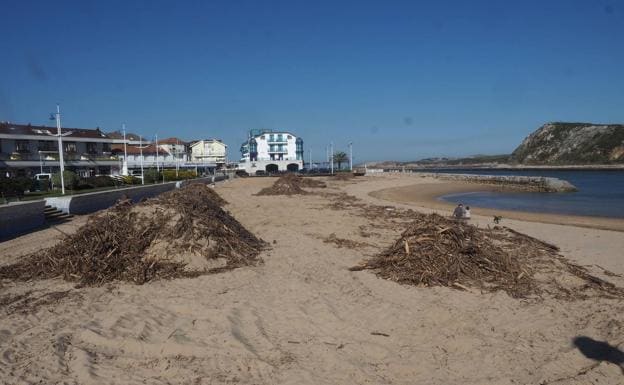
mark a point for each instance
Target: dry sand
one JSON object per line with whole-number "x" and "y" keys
{"x": 302, "y": 317}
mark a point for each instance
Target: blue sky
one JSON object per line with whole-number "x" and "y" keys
{"x": 401, "y": 79}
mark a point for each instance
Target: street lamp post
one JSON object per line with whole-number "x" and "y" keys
{"x": 124, "y": 169}
{"x": 176, "y": 158}
{"x": 351, "y": 156}
{"x": 331, "y": 155}
{"x": 59, "y": 135}
{"x": 156, "y": 140}
{"x": 141, "y": 158}
{"x": 326, "y": 156}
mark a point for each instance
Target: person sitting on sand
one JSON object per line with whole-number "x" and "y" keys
{"x": 467, "y": 213}
{"x": 459, "y": 211}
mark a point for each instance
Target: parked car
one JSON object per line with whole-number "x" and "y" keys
{"x": 43, "y": 176}
{"x": 42, "y": 182}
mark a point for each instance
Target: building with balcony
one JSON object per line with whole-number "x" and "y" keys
{"x": 209, "y": 151}
{"x": 167, "y": 153}
{"x": 178, "y": 148}
{"x": 26, "y": 150}
{"x": 271, "y": 151}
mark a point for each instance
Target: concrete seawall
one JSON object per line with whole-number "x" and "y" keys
{"x": 92, "y": 202}
{"x": 524, "y": 183}
{"x": 20, "y": 217}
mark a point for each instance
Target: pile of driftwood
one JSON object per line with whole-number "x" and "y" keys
{"x": 119, "y": 243}
{"x": 291, "y": 184}
{"x": 437, "y": 251}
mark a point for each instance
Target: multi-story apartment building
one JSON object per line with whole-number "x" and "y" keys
{"x": 178, "y": 148}
{"x": 209, "y": 151}
{"x": 271, "y": 151}
{"x": 26, "y": 150}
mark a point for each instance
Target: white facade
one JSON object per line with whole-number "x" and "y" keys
{"x": 271, "y": 151}
{"x": 177, "y": 151}
{"x": 209, "y": 151}
{"x": 163, "y": 160}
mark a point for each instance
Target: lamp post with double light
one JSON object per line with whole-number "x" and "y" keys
{"x": 60, "y": 136}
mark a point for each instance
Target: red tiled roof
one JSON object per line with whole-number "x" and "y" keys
{"x": 171, "y": 141}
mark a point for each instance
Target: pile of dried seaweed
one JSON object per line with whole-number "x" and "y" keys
{"x": 288, "y": 184}
{"x": 138, "y": 243}
{"x": 436, "y": 251}
{"x": 200, "y": 188}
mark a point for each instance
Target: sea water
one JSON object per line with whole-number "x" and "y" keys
{"x": 600, "y": 193}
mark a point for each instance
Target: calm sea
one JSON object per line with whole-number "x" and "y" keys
{"x": 601, "y": 193}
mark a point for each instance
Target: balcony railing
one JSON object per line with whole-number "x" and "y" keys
{"x": 278, "y": 151}
{"x": 276, "y": 140}
{"x": 17, "y": 156}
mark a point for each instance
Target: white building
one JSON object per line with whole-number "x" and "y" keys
{"x": 176, "y": 148}
{"x": 152, "y": 157}
{"x": 209, "y": 151}
{"x": 271, "y": 151}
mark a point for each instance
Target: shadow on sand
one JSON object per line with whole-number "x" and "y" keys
{"x": 599, "y": 351}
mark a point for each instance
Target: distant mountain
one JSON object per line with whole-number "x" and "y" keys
{"x": 572, "y": 144}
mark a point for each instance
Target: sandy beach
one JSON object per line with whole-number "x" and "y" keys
{"x": 302, "y": 317}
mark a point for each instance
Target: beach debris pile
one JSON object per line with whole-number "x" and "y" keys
{"x": 181, "y": 233}
{"x": 291, "y": 184}
{"x": 207, "y": 193}
{"x": 437, "y": 251}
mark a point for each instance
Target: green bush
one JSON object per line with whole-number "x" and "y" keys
{"x": 170, "y": 175}
{"x": 100, "y": 181}
{"x": 129, "y": 179}
{"x": 152, "y": 175}
{"x": 40, "y": 185}
{"x": 70, "y": 177}
{"x": 14, "y": 187}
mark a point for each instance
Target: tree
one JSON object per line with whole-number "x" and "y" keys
{"x": 340, "y": 158}
{"x": 69, "y": 177}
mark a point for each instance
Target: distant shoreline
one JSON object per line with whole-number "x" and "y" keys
{"x": 616, "y": 167}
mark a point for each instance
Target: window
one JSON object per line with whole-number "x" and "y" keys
{"x": 289, "y": 136}
{"x": 70, "y": 147}
{"x": 21, "y": 146}
{"x": 91, "y": 148}
{"x": 47, "y": 145}
{"x": 106, "y": 147}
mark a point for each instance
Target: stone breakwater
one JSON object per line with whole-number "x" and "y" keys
{"x": 524, "y": 183}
